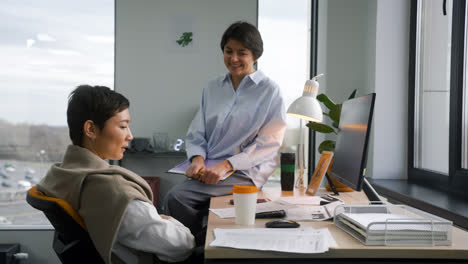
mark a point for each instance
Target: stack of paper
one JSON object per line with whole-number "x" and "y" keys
{"x": 300, "y": 240}
{"x": 312, "y": 213}
{"x": 382, "y": 228}
{"x": 309, "y": 200}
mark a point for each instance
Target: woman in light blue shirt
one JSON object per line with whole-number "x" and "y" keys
{"x": 241, "y": 121}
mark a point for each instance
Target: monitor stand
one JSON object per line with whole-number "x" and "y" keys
{"x": 332, "y": 185}
{"x": 370, "y": 192}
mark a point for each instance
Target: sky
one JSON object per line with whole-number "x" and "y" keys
{"x": 49, "y": 47}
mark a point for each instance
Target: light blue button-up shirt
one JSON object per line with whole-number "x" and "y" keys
{"x": 244, "y": 126}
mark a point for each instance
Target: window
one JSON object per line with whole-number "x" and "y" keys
{"x": 48, "y": 48}
{"x": 434, "y": 31}
{"x": 464, "y": 154}
{"x": 437, "y": 152}
{"x": 285, "y": 29}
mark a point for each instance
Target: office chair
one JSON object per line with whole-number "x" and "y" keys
{"x": 72, "y": 243}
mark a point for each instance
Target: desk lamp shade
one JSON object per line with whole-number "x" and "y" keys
{"x": 307, "y": 107}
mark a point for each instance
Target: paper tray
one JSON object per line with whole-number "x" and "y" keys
{"x": 395, "y": 225}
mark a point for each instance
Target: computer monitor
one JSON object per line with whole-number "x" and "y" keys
{"x": 350, "y": 156}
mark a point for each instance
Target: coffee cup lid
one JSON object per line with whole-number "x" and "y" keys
{"x": 244, "y": 189}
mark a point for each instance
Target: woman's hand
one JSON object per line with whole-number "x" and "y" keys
{"x": 165, "y": 217}
{"x": 215, "y": 174}
{"x": 196, "y": 168}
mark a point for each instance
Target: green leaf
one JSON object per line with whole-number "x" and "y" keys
{"x": 328, "y": 145}
{"x": 322, "y": 128}
{"x": 353, "y": 94}
{"x": 326, "y": 101}
{"x": 185, "y": 39}
{"x": 335, "y": 113}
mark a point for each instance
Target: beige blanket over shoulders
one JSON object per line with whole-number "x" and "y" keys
{"x": 99, "y": 192}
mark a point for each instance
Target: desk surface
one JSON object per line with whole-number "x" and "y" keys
{"x": 348, "y": 246}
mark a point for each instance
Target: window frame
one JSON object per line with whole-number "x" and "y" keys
{"x": 458, "y": 177}
{"x": 313, "y": 72}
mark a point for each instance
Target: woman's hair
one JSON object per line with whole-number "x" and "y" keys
{"x": 245, "y": 33}
{"x": 95, "y": 103}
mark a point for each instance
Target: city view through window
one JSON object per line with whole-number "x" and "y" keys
{"x": 48, "y": 49}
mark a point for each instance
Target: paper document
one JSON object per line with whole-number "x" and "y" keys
{"x": 401, "y": 222}
{"x": 311, "y": 200}
{"x": 312, "y": 213}
{"x": 261, "y": 207}
{"x": 182, "y": 167}
{"x": 294, "y": 240}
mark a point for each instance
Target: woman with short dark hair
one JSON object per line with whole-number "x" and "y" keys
{"x": 96, "y": 104}
{"x": 115, "y": 203}
{"x": 247, "y": 34}
{"x": 241, "y": 121}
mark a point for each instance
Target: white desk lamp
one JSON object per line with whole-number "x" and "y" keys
{"x": 306, "y": 107}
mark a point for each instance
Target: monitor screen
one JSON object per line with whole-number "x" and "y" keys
{"x": 350, "y": 157}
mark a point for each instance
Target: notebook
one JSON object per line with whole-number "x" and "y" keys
{"x": 182, "y": 167}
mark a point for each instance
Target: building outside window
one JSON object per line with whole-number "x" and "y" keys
{"x": 48, "y": 48}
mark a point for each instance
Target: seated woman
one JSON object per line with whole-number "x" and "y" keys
{"x": 115, "y": 203}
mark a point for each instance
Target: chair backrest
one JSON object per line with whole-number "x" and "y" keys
{"x": 72, "y": 243}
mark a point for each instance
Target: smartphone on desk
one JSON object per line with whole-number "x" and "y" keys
{"x": 271, "y": 214}
{"x": 231, "y": 202}
{"x": 330, "y": 198}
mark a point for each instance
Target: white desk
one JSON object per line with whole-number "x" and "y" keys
{"x": 348, "y": 247}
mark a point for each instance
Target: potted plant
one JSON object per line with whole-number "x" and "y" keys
{"x": 334, "y": 113}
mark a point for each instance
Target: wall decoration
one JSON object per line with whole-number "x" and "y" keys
{"x": 182, "y": 29}
{"x": 185, "y": 39}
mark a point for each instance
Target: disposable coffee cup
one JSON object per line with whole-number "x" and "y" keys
{"x": 245, "y": 203}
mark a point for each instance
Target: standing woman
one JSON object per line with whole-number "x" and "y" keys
{"x": 241, "y": 121}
